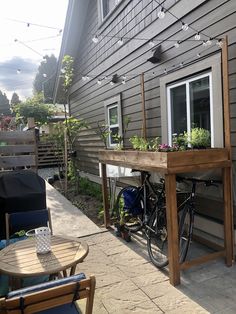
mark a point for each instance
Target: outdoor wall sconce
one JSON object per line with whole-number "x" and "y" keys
{"x": 156, "y": 58}
{"x": 114, "y": 79}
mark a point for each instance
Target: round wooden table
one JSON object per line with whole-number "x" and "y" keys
{"x": 21, "y": 260}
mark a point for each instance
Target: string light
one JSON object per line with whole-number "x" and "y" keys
{"x": 197, "y": 36}
{"x": 209, "y": 42}
{"x": 99, "y": 82}
{"x": 151, "y": 43}
{"x": 165, "y": 71}
{"x": 95, "y": 39}
{"x": 177, "y": 44}
{"x": 204, "y": 43}
{"x": 161, "y": 14}
{"x": 185, "y": 26}
{"x": 120, "y": 42}
{"x": 44, "y": 75}
{"x": 198, "y": 55}
{"x": 219, "y": 43}
{"x": 181, "y": 64}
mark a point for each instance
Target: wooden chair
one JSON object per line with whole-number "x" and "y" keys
{"x": 55, "y": 297}
{"x": 26, "y": 220}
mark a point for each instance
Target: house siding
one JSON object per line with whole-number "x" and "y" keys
{"x": 138, "y": 18}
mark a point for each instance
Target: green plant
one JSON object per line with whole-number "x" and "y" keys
{"x": 179, "y": 141}
{"x": 154, "y": 144}
{"x": 103, "y": 131}
{"x": 139, "y": 143}
{"x": 90, "y": 188}
{"x": 198, "y": 138}
{"x": 120, "y": 138}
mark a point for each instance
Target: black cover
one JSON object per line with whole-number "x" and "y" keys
{"x": 21, "y": 190}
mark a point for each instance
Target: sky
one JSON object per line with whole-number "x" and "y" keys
{"x": 24, "y": 44}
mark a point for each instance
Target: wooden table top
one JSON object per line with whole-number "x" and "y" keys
{"x": 21, "y": 260}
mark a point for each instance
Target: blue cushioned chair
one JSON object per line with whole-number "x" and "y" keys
{"x": 55, "y": 297}
{"x": 26, "y": 220}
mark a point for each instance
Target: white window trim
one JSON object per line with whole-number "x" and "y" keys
{"x": 186, "y": 82}
{"x": 108, "y": 104}
{"x": 213, "y": 64}
{"x": 100, "y": 10}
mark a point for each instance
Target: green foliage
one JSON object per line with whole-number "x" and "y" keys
{"x": 198, "y": 138}
{"x": 90, "y": 188}
{"x": 74, "y": 126}
{"x": 180, "y": 141}
{"x": 143, "y": 144}
{"x": 67, "y": 72}
{"x": 34, "y": 108}
{"x": 120, "y": 138}
{"x": 103, "y": 132}
{"x": 139, "y": 143}
{"x": 15, "y": 99}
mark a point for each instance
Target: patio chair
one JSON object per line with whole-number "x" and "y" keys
{"x": 18, "y": 221}
{"x": 55, "y": 297}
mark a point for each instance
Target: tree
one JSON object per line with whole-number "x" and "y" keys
{"x": 4, "y": 105}
{"x": 34, "y": 108}
{"x": 45, "y": 78}
{"x": 15, "y": 99}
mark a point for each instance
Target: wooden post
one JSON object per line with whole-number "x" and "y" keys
{"x": 105, "y": 195}
{"x": 172, "y": 229}
{"x": 66, "y": 161}
{"x": 228, "y": 217}
{"x": 143, "y": 106}
{"x": 226, "y": 107}
{"x": 227, "y": 173}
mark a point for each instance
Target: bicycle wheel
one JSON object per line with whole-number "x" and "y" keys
{"x": 157, "y": 238}
{"x": 129, "y": 212}
{"x": 186, "y": 217}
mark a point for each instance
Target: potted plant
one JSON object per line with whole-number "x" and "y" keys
{"x": 198, "y": 138}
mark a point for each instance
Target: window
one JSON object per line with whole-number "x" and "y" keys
{"x": 193, "y": 100}
{"x": 106, "y": 6}
{"x": 113, "y": 119}
{"x": 190, "y": 105}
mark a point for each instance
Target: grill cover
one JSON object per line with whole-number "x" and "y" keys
{"x": 21, "y": 190}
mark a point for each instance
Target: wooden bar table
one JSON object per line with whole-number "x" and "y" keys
{"x": 170, "y": 164}
{"x": 20, "y": 260}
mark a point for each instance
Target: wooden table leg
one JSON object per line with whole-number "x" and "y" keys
{"x": 105, "y": 196}
{"x": 172, "y": 229}
{"x": 228, "y": 217}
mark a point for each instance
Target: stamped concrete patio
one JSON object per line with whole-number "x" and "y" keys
{"x": 127, "y": 282}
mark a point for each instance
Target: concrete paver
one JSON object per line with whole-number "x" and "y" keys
{"x": 127, "y": 282}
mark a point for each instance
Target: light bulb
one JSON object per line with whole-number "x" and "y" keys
{"x": 44, "y": 75}
{"x": 161, "y": 14}
{"x": 120, "y": 42}
{"x": 184, "y": 26}
{"x": 95, "y": 39}
{"x": 123, "y": 77}
{"x": 219, "y": 43}
{"x": 111, "y": 83}
{"x": 181, "y": 64}
{"x": 209, "y": 42}
{"x": 123, "y": 81}
{"x": 87, "y": 77}
{"x": 204, "y": 43}
{"x": 84, "y": 78}
{"x": 197, "y": 36}
{"x": 165, "y": 71}
{"x": 99, "y": 82}
{"x": 177, "y": 44}
{"x": 18, "y": 71}
{"x": 198, "y": 55}
{"x": 151, "y": 43}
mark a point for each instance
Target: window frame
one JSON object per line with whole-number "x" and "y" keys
{"x": 109, "y": 104}
{"x": 210, "y": 64}
{"x": 100, "y": 10}
{"x": 187, "y": 82}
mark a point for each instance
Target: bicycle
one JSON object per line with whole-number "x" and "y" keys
{"x": 134, "y": 204}
{"x": 157, "y": 229}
